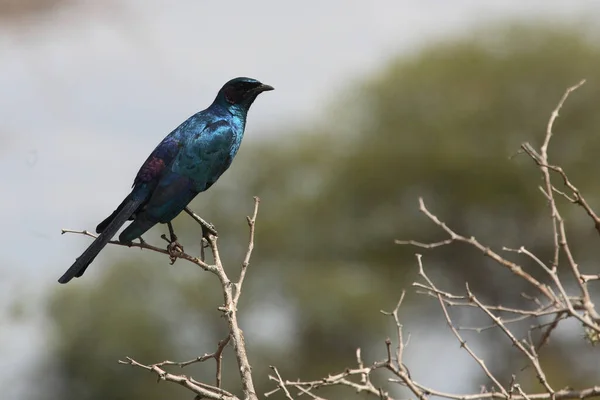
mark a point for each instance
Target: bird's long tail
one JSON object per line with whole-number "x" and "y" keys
{"x": 81, "y": 263}
{"x": 102, "y": 225}
{"x": 136, "y": 229}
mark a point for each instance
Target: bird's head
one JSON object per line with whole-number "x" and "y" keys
{"x": 241, "y": 92}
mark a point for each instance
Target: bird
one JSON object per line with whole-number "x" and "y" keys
{"x": 188, "y": 161}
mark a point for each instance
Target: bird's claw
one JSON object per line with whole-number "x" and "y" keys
{"x": 174, "y": 249}
{"x": 205, "y": 243}
{"x": 209, "y": 229}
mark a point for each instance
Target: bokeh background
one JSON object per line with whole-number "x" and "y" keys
{"x": 376, "y": 103}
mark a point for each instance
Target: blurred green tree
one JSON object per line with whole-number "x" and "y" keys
{"x": 443, "y": 124}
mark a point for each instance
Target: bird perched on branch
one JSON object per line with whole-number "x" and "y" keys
{"x": 188, "y": 161}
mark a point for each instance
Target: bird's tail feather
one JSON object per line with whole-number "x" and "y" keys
{"x": 137, "y": 228}
{"x": 102, "y": 225}
{"x": 81, "y": 263}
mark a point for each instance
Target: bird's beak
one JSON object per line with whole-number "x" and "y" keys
{"x": 264, "y": 88}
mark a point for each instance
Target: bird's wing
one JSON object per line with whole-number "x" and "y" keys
{"x": 198, "y": 165}
{"x": 149, "y": 174}
{"x": 160, "y": 158}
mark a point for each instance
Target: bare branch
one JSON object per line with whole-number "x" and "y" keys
{"x": 362, "y": 382}
{"x": 558, "y": 224}
{"x": 555, "y": 302}
{"x": 530, "y": 354}
{"x": 144, "y": 245}
{"x": 201, "y": 389}
{"x": 455, "y": 237}
{"x": 281, "y": 384}
{"x": 206, "y": 226}
{"x": 251, "y": 224}
{"x": 217, "y": 356}
{"x": 463, "y": 343}
{"x": 554, "y": 115}
{"x": 229, "y": 310}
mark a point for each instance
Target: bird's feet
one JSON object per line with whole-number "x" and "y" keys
{"x": 174, "y": 248}
{"x": 208, "y": 229}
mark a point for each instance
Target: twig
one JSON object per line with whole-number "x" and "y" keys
{"x": 455, "y": 237}
{"x": 544, "y": 160}
{"x": 450, "y": 298}
{"x": 229, "y": 309}
{"x": 230, "y": 312}
{"x": 280, "y": 383}
{"x": 362, "y": 374}
{"x": 146, "y": 246}
{"x": 201, "y": 389}
{"x": 206, "y": 226}
{"x": 588, "y": 278}
{"x": 251, "y": 224}
{"x": 337, "y": 379}
{"x": 555, "y": 301}
{"x": 463, "y": 343}
{"x": 400, "y": 336}
{"x": 560, "y": 236}
{"x": 551, "y": 327}
{"x": 530, "y": 354}
{"x": 217, "y": 356}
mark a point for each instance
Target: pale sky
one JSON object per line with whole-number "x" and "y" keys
{"x": 86, "y": 94}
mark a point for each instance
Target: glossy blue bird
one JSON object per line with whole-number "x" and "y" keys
{"x": 188, "y": 161}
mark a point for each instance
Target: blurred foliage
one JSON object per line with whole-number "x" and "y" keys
{"x": 443, "y": 124}
{"x": 12, "y": 10}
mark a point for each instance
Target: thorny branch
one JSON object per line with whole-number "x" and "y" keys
{"x": 231, "y": 295}
{"x": 560, "y": 235}
{"x": 359, "y": 379}
{"x": 201, "y": 389}
{"x": 455, "y": 237}
{"x": 217, "y": 355}
{"x": 463, "y": 343}
{"x": 555, "y": 302}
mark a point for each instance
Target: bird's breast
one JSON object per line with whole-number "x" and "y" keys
{"x": 208, "y": 154}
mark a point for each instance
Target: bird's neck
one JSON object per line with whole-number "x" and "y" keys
{"x": 239, "y": 112}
